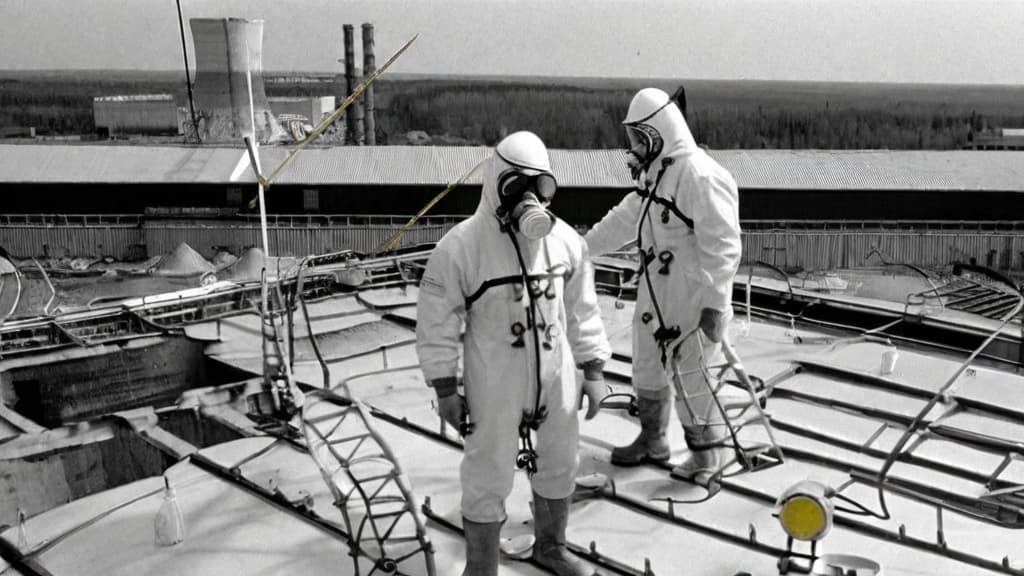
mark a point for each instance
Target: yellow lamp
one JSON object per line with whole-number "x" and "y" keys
{"x": 805, "y": 511}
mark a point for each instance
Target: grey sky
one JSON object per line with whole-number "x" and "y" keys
{"x": 958, "y": 41}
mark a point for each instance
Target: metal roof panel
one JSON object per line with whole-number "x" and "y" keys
{"x": 437, "y": 165}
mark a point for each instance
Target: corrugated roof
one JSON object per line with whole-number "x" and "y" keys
{"x": 116, "y": 164}
{"x": 431, "y": 165}
{"x": 875, "y": 169}
{"x": 135, "y": 98}
{"x": 437, "y": 165}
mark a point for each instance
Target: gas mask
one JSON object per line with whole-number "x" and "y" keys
{"x": 645, "y": 144}
{"x": 524, "y": 199}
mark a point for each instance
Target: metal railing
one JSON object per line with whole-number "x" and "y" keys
{"x": 945, "y": 225}
{"x": 278, "y": 220}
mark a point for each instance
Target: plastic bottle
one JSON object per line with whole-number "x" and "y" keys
{"x": 22, "y": 533}
{"x": 169, "y": 525}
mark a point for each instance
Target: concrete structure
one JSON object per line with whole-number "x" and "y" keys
{"x": 369, "y": 67}
{"x": 998, "y": 139}
{"x": 229, "y": 59}
{"x": 354, "y": 113}
{"x": 137, "y": 114}
{"x": 312, "y": 108}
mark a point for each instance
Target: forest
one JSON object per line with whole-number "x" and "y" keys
{"x": 580, "y": 112}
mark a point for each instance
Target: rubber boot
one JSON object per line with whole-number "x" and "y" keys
{"x": 709, "y": 453}
{"x": 550, "y": 518}
{"x": 481, "y": 547}
{"x": 651, "y": 444}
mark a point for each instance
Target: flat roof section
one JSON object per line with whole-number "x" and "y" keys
{"x": 835, "y": 170}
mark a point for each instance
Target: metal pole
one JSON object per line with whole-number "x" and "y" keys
{"x": 188, "y": 76}
{"x": 369, "y": 65}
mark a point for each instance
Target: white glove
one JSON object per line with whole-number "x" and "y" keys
{"x": 594, "y": 390}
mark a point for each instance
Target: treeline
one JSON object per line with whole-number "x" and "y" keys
{"x": 568, "y": 117}
{"x": 585, "y": 113}
{"x": 56, "y": 103}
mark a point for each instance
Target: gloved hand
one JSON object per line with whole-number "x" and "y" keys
{"x": 711, "y": 324}
{"x": 636, "y": 167}
{"x": 452, "y": 406}
{"x": 454, "y": 411}
{"x": 594, "y": 390}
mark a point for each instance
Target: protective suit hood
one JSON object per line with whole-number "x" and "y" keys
{"x": 653, "y": 109}
{"x": 522, "y": 152}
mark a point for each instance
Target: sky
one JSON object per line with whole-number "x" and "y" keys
{"x": 914, "y": 41}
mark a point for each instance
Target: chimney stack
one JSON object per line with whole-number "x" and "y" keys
{"x": 369, "y": 66}
{"x": 354, "y": 114}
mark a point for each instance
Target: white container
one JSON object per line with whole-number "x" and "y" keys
{"x": 169, "y": 526}
{"x": 845, "y": 564}
{"x": 889, "y": 358}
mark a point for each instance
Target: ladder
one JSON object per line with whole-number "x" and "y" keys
{"x": 736, "y": 414}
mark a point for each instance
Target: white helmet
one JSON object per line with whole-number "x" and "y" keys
{"x": 655, "y": 126}
{"x": 525, "y": 184}
{"x": 525, "y": 151}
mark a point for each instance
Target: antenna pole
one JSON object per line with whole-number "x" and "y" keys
{"x": 188, "y": 76}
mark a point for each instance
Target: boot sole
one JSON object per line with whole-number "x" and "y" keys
{"x": 644, "y": 460}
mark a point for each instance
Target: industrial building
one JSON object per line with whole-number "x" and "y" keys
{"x": 311, "y": 108}
{"x": 998, "y": 139}
{"x": 774, "y": 184}
{"x": 137, "y": 114}
{"x": 799, "y": 207}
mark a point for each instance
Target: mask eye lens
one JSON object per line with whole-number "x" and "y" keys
{"x": 637, "y": 142}
{"x": 513, "y": 185}
{"x": 546, "y": 186}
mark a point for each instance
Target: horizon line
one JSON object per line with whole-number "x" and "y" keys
{"x": 522, "y": 77}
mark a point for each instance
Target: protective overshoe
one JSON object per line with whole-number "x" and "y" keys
{"x": 550, "y": 518}
{"x": 481, "y": 547}
{"x": 651, "y": 444}
{"x": 709, "y": 453}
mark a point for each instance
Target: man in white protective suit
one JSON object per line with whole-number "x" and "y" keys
{"x": 520, "y": 280}
{"x": 684, "y": 217}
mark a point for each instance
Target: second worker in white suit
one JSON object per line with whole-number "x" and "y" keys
{"x": 685, "y": 219}
{"x": 519, "y": 279}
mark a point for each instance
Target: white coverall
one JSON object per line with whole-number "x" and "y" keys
{"x": 704, "y": 257}
{"x": 474, "y": 276}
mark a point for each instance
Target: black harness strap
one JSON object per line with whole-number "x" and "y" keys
{"x": 487, "y": 285}
{"x": 517, "y": 279}
{"x": 671, "y": 206}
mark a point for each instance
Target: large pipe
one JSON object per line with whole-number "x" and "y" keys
{"x": 369, "y": 66}
{"x": 354, "y": 114}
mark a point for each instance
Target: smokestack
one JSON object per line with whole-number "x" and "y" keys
{"x": 227, "y": 51}
{"x": 354, "y": 114}
{"x": 369, "y": 66}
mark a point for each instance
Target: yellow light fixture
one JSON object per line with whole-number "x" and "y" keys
{"x": 805, "y": 511}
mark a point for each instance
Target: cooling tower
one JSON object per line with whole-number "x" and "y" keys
{"x": 227, "y": 51}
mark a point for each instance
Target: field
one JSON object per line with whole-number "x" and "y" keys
{"x": 579, "y": 112}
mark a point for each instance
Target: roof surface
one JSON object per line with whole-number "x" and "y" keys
{"x": 835, "y": 416}
{"x": 964, "y": 170}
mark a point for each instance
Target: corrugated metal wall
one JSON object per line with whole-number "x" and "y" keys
{"x": 145, "y": 116}
{"x": 820, "y": 249}
{"x": 299, "y": 236}
{"x": 122, "y": 242}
